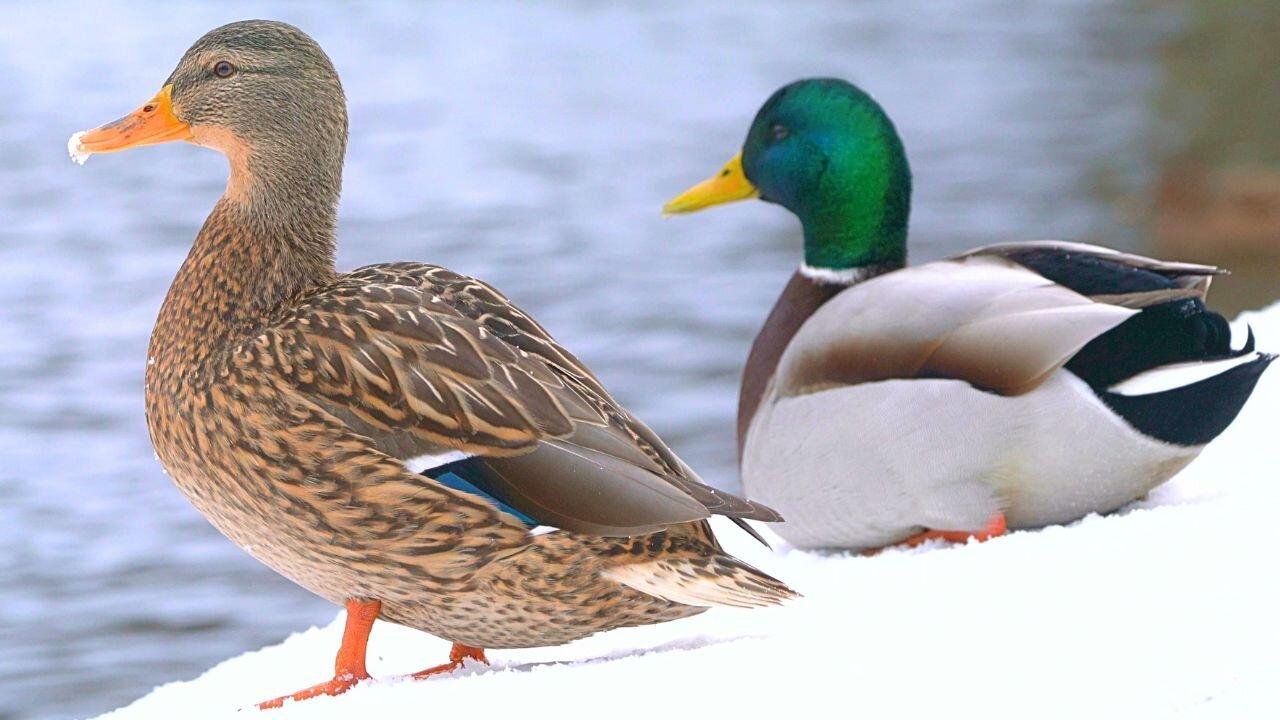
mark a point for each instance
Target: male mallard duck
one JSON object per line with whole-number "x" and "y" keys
{"x": 400, "y": 438}
{"x": 1016, "y": 385}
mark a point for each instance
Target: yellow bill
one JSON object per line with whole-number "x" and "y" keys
{"x": 728, "y": 185}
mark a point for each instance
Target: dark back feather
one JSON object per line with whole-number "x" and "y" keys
{"x": 1174, "y": 325}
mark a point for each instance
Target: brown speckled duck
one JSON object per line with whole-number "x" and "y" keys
{"x": 400, "y": 439}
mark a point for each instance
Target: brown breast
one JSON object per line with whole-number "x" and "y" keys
{"x": 800, "y": 298}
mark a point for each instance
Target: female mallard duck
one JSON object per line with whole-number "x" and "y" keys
{"x": 400, "y": 438}
{"x": 1016, "y": 385}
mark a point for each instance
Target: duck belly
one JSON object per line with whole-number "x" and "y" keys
{"x": 473, "y": 588}
{"x": 545, "y": 590}
{"x": 461, "y": 574}
{"x": 869, "y": 465}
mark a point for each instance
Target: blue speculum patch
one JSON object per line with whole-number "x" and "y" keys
{"x": 464, "y": 475}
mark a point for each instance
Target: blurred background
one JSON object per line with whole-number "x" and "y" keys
{"x": 533, "y": 146}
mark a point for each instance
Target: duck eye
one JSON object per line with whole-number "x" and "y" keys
{"x": 223, "y": 69}
{"x": 780, "y": 132}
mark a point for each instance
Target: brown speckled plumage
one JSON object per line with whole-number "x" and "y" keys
{"x": 284, "y": 399}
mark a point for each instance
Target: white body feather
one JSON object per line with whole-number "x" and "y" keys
{"x": 882, "y": 461}
{"x": 1167, "y": 377}
{"x": 422, "y": 463}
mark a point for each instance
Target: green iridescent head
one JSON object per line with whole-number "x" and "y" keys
{"x": 826, "y": 151}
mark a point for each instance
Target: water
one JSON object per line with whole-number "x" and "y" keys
{"x": 532, "y": 146}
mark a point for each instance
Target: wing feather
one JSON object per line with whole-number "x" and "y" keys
{"x": 981, "y": 319}
{"x": 1123, "y": 278}
{"x": 424, "y": 361}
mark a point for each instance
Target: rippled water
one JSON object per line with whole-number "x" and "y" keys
{"x": 530, "y": 145}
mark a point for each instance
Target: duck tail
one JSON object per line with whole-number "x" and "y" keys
{"x": 716, "y": 580}
{"x": 1195, "y": 413}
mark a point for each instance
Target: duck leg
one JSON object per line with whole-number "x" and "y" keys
{"x": 348, "y": 668}
{"x": 996, "y": 526}
{"x": 457, "y": 654}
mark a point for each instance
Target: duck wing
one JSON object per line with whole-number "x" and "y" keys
{"x": 1116, "y": 277}
{"x": 1006, "y": 317}
{"x": 1174, "y": 325}
{"x": 443, "y": 372}
{"x": 1169, "y": 370}
{"x": 982, "y": 319}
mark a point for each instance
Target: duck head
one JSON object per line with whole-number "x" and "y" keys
{"x": 825, "y": 150}
{"x": 261, "y": 92}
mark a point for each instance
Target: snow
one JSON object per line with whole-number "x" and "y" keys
{"x": 75, "y": 149}
{"x": 1168, "y": 609}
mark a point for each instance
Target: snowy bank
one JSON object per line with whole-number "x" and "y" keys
{"x": 1168, "y": 609}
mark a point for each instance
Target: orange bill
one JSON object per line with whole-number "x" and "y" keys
{"x": 150, "y": 124}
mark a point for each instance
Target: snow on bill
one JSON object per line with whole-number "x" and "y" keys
{"x": 77, "y": 153}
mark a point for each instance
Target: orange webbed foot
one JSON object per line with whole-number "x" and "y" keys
{"x": 336, "y": 686}
{"x": 995, "y": 527}
{"x": 457, "y": 655}
{"x": 348, "y": 667}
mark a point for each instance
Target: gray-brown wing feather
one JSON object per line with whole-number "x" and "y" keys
{"x": 582, "y": 490}
{"x": 423, "y": 361}
{"x": 984, "y": 320}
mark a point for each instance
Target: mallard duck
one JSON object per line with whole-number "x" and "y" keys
{"x": 400, "y": 439}
{"x": 1015, "y": 386}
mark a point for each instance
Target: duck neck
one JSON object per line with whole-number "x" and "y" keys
{"x": 831, "y": 261}
{"x": 855, "y": 222}
{"x": 269, "y": 238}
